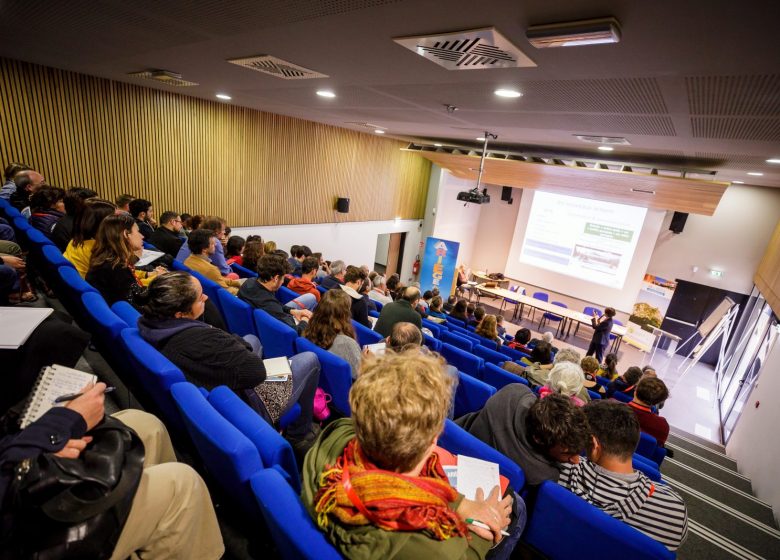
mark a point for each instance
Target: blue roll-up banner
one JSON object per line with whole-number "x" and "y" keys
{"x": 438, "y": 266}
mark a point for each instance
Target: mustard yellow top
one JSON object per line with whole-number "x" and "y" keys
{"x": 80, "y": 255}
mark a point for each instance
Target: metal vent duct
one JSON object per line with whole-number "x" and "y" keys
{"x": 163, "y": 76}
{"x": 615, "y": 140}
{"x": 475, "y": 49}
{"x": 277, "y": 67}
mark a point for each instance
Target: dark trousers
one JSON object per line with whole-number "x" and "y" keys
{"x": 598, "y": 350}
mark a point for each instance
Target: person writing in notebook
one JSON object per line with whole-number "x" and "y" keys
{"x": 602, "y": 327}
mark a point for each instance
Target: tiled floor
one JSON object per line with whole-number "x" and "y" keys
{"x": 692, "y": 406}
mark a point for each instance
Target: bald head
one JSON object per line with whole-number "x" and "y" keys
{"x": 29, "y": 180}
{"x": 403, "y": 336}
{"x": 412, "y": 295}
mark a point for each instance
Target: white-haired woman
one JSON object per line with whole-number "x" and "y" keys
{"x": 567, "y": 379}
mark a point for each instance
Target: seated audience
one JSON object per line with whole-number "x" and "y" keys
{"x": 47, "y": 208}
{"x": 122, "y": 203}
{"x": 459, "y": 311}
{"x": 354, "y": 279}
{"x": 400, "y": 311}
{"x": 143, "y": 213}
{"x": 540, "y": 354}
{"x": 538, "y": 373}
{"x": 625, "y": 383}
{"x": 479, "y": 314}
{"x": 203, "y": 244}
{"x": 90, "y": 215}
{"x": 62, "y": 232}
{"x": 447, "y": 307}
{"x": 336, "y": 277}
{"x": 546, "y": 337}
{"x": 260, "y": 292}
{"x": 608, "y": 480}
{"x": 394, "y": 286}
{"x": 470, "y": 308}
{"x": 537, "y": 434}
{"x": 386, "y": 451}
{"x": 216, "y": 225}
{"x": 305, "y": 284}
{"x": 14, "y": 285}
{"x": 436, "y": 308}
{"x": 379, "y": 290}
{"x": 269, "y": 247}
{"x": 330, "y": 327}
{"x": 211, "y": 357}
{"x": 500, "y": 326}
{"x": 522, "y": 338}
{"x": 192, "y": 223}
{"x": 425, "y": 301}
{"x": 488, "y": 328}
{"x": 234, "y": 249}
{"x": 609, "y": 369}
{"x": 649, "y": 371}
{"x": 324, "y": 270}
{"x": 171, "y": 513}
{"x": 11, "y": 171}
{"x": 294, "y": 263}
{"x": 590, "y": 367}
{"x": 166, "y": 237}
{"x": 27, "y": 182}
{"x": 650, "y": 392}
{"x": 253, "y": 250}
{"x": 565, "y": 379}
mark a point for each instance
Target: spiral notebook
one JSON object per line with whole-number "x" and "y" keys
{"x": 53, "y": 381}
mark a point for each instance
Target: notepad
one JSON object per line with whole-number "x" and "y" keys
{"x": 53, "y": 381}
{"x": 148, "y": 257}
{"x": 18, "y": 323}
{"x": 475, "y": 473}
{"x": 277, "y": 369}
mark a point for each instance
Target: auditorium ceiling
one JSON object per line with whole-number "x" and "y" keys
{"x": 692, "y": 85}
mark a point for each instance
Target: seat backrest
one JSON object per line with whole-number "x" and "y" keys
{"x": 277, "y": 338}
{"x": 295, "y": 534}
{"x": 456, "y": 340}
{"x": 243, "y": 272}
{"x": 514, "y": 355}
{"x": 645, "y": 465}
{"x": 498, "y": 377}
{"x": 335, "y": 374}
{"x": 72, "y": 286}
{"x": 431, "y": 343}
{"x": 487, "y": 343}
{"x": 105, "y": 324}
{"x": 365, "y": 335}
{"x": 21, "y": 224}
{"x": 237, "y": 314}
{"x": 560, "y": 304}
{"x": 456, "y": 322}
{"x": 285, "y": 294}
{"x": 54, "y": 257}
{"x": 227, "y": 454}
{"x": 589, "y": 310}
{"x": 372, "y": 313}
{"x": 180, "y": 266}
{"x": 435, "y": 328}
{"x": 149, "y": 246}
{"x": 544, "y": 296}
{"x": 458, "y": 441}
{"x": 379, "y": 305}
{"x": 126, "y": 312}
{"x": 647, "y": 446}
{"x": 73, "y": 282}
{"x": 210, "y": 288}
{"x": 273, "y": 448}
{"x": 622, "y": 397}
{"x": 471, "y": 394}
{"x": 594, "y": 396}
{"x": 563, "y": 525}
{"x": 464, "y": 361}
{"x": 323, "y": 291}
{"x": 38, "y": 238}
{"x": 488, "y": 355}
{"x": 155, "y": 373}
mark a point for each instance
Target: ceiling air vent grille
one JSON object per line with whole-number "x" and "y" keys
{"x": 277, "y": 67}
{"x": 164, "y": 77}
{"x": 475, "y": 49}
{"x": 615, "y": 140}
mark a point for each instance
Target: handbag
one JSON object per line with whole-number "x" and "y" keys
{"x": 320, "y": 410}
{"x": 57, "y": 508}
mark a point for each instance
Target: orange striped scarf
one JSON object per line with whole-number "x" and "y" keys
{"x": 357, "y": 492}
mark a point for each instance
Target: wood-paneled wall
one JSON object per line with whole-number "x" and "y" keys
{"x": 767, "y": 276}
{"x": 197, "y": 156}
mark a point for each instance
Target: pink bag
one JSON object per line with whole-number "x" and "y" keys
{"x": 321, "y": 400}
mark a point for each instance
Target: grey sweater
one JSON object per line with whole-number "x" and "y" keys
{"x": 348, "y": 348}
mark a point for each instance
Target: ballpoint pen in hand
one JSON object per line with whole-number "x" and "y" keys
{"x": 70, "y": 397}
{"x": 481, "y": 525}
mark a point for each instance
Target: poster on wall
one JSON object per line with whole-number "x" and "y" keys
{"x": 649, "y": 311}
{"x": 438, "y": 266}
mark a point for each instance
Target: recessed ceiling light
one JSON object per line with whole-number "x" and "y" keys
{"x": 773, "y": 160}
{"x": 507, "y": 93}
{"x": 438, "y": 145}
{"x": 480, "y": 139}
{"x": 379, "y": 131}
{"x": 326, "y": 93}
{"x": 606, "y": 148}
{"x": 224, "y": 96}
{"x": 739, "y": 182}
{"x": 755, "y": 174}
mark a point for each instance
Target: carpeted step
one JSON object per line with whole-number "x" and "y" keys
{"x": 696, "y": 439}
{"x": 691, "y": 446}
{"x": 698, "y": 547}
{"x": 714, "y": 470}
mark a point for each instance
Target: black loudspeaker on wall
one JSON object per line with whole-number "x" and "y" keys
{"x": 506, "y": 194}
{"x": 342, "y": 205}
{"x": 678, "y": 222}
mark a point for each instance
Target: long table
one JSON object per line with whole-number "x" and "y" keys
{"x": 568, "y": 316}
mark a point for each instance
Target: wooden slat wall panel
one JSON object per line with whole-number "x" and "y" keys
{"x": 767, "y": 277}
{"x": 197, "y": 156}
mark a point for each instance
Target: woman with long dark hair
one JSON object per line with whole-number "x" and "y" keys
{"x": 111, "y": 270}
{"x": 330, "y": 327}
{"x": 89, "y": 215}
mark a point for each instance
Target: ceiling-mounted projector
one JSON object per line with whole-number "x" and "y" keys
{"x": 474, "y": 196}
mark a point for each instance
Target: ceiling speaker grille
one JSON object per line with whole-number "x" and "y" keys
{"x": 163, "y": 77}
{"x": 475, "y": 49}
{"x": 277, "y": 67}
{"x": 727, "y": 128}
{"x": 734, "y": 95}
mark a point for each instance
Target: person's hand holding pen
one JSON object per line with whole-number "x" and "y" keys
{"x": 487, "y": 517}
{"x": 89, "y": 403}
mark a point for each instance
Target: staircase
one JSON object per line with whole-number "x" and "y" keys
{"x": 725, "y": 520}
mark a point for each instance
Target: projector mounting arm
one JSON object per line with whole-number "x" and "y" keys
{"x": 487, "y": 137}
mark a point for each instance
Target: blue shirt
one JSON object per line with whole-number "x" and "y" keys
{"x": 217, "y": 259}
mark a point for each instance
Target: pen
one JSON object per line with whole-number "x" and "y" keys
{"x": 481, "y": 525}
{"x": 66, "y": 398}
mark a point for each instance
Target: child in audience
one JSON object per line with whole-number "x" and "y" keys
{"x": 487, "y": 328}
{"x": 590, "y": 366}
{"x": 609, "y": 369}
{"x": 436, "y": 310}
{"x": 625, "y": 383}
{"x": 500, "y": 326}
{"x": 522, "y": 338}
{"x": 650, "y": 392}
{"x": 233, "y": 250}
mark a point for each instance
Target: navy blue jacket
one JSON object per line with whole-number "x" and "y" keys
{"x": 601, "y": 332}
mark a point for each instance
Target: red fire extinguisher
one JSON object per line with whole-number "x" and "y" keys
{"x": 416, "y": 266}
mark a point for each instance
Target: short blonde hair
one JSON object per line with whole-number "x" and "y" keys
{"x": 399, "y": 403}
{"x": 589, "y": 364}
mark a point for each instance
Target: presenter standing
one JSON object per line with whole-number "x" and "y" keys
{"x": 602, "y": 327}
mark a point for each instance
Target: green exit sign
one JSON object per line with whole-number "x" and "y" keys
{"x": 716, "y": 273}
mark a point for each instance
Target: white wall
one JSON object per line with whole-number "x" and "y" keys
{"x": 493, "y": 239}
{"x": 382, "y": 249}
{"x": 754, "y": 443}
{"x": 352, "y": 242}
{"x": 454, "y": 221}
{"x": 732, "y": 240}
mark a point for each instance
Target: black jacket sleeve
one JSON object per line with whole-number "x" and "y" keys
{"x": 360, "y": 312}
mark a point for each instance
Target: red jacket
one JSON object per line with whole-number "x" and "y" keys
{"x": 304, "y": 286}
{"x": 650, "y": 423}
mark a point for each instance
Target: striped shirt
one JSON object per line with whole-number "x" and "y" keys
{"x": 654, "y": 509}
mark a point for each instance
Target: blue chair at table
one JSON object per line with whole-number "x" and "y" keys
{"x": 471, "y": 394}
{"x": 458, "y": 441}
{"x": 435, "y": 328}
{"x": 458, "y": 341}
{"x": 431, "y": 343}
{"x": 237, "y": 314}
{"x": 514, "y": 355}
{"x": 242, "y": 271}
{"x": 335, "y": 374}
{"x": 456, "y": 322}
{"x": 274, "y": 450}
{"x": 286, "y": 295}
{"x": 541, "y": 296}
{"x": 464, "y": 361}
{"x": 499, "y": 377}
{"x": 488, "y": 355}
{"x": 552, "y": 316}
{"x": 365, "y": 335}
{"x": 126, "y": 312}
{"x": 615, "y": 322}
{"x": 227, "y": 454}
{"x": 294, "y": 532}
{"x": 587, "y": 310}
{"x": 277, "y": 338}
{"x": 561, "y": 522}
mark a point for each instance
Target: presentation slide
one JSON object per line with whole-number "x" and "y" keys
{"x": 591, "y": 240}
